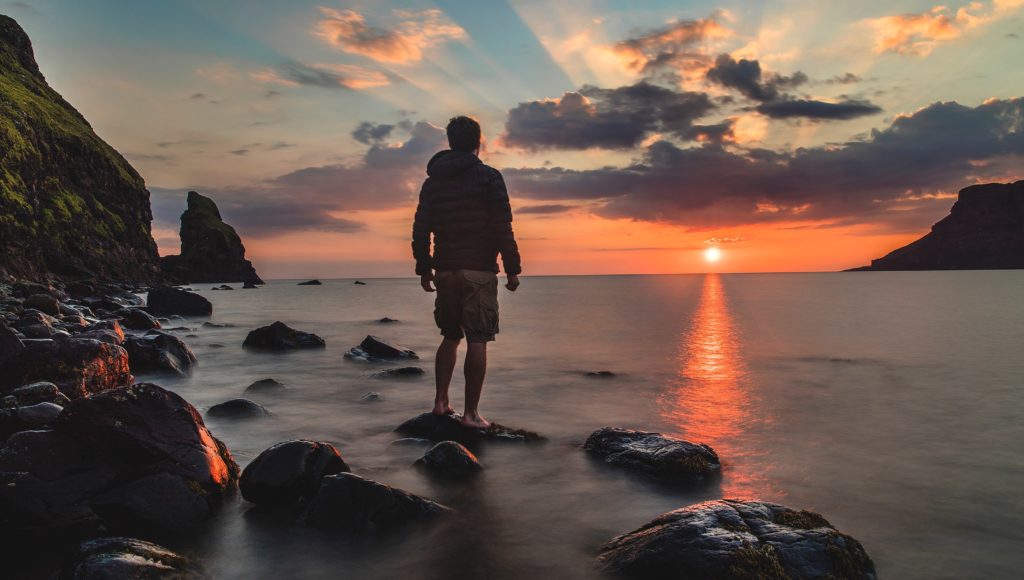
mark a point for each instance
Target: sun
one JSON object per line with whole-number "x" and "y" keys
{"x": 712, "y": 254}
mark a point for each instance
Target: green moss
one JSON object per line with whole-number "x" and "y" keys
{"x": 760, "y": 563}
{"x": 803, "y": 520}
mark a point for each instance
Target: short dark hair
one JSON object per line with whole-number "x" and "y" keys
{"x": 463, "y": 133}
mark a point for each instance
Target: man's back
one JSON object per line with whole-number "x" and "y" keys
{"x": 465, "y": 205}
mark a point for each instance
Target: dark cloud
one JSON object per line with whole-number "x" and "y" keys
{"x": 746, "y": 77}
{"x": 604, "y": 118}
{"x": 198, "y": 96}
{"x": 240, "y": 152}
{"x": 368, "y": 133}
{"x": 810, "y": 109}
{"x": 672, "y": 47}
{"x": 844, "y": 79}
{"x": 942, "y": 147}
{"x": 545, "y": 209}
{"x": 716, "y": 133}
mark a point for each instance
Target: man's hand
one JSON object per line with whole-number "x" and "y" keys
{"x": 513, "y": 283}
{"x": 425, "y": 281}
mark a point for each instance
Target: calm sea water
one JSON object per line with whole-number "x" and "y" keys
{"x": 889, "y": 402}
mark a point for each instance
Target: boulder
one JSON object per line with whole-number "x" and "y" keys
{"x": 237, "y": 409}
{"x": 211, "y": 250}
{"x": 138, "y": 319}
{"x": 108, "y": 331}
{"x": 400, "y": 372}
{"x": 165, "y": 301}
{"x": 41, "y": 392}
{"x": 347, "y": 502}
{"x": 78, "y": 366}
{"x": 279, "y": 336}
{"x": 736, "y": 539}
{"x": 250, "y": 285}
{"x": 39, "y": 414}
{"x": 654, "y": 455}
{"x": 10, "y": 343}
{"x": 451, "y": 459}
{"x": 164, "y": 503}
{"x": 159, "y": 352}
{"x": 117, "y": 557}
{"x": 376, "y": 348}
{"x": 310, "y": 283}
{"x": 447, "y": 427}
{"x": 289, "y": 472}
{"x": 43, "y": 303}
{"x": 265, "y": 386}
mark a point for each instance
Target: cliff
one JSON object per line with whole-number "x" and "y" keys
{"x": 983, "y": 231}
{"x": 70, "y": 205}
{"x": 211, "y": 250}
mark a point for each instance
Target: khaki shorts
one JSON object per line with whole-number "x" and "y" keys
{"x": 467, "y": 304}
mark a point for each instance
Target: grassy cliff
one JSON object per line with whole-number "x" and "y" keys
{"x": 70, "y": 205}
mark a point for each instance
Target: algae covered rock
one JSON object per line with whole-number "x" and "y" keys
{"x": 655, "y": 455}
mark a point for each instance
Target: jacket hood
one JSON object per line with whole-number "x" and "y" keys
{"x": 449, "y": 163}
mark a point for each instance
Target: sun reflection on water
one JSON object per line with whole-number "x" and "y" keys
{"x": 711, "y": 402}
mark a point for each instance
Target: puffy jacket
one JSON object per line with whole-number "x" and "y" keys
{"x": 464, "y": 204}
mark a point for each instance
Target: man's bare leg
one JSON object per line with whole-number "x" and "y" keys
{"x": 475, "y": 369}
{"x": 444, "y": 368}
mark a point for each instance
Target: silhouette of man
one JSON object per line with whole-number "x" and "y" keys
{"x": 464, "y": 204}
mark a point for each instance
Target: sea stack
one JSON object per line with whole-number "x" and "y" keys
{"x": 70, "y": 205}
{"x": 211, "y": 250}
{"x": 983, "y": 231}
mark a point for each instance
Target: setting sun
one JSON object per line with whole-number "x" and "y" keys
{"x": 712, "y": 254}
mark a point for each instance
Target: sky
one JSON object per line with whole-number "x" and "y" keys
{"x": 633, "y": 135}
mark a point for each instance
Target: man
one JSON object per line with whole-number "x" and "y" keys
{"x": 464, "y": 204}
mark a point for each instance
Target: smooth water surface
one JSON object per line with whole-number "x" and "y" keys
{"x": 888, "y": 402}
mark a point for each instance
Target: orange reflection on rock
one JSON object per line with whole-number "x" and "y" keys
{"x": 711, "y": 403}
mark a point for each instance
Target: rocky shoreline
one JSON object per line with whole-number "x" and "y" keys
{"x": 104, "y": 466}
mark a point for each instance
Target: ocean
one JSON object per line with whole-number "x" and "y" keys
{"x": 889, "y": 402}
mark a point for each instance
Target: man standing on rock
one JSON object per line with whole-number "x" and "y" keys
{"x": 464, "y": 204}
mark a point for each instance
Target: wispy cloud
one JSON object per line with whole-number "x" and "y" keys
{"x": 328, "y": 76}
{"x": 919, "y": 34}
{"x": 405, "y": 42}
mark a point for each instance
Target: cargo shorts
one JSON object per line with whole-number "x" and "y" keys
{"x": 467, "y": 304}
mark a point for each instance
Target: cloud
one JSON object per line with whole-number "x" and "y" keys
{"x": 716, "y": 133}
{"x": 746, "y": 77}
{"x": 328, "y": 76}
{"x": 939, "y": 148}
{"x": 545, "y": 209}
{"x": 368, "y": 133}
{"x": 920, "y": 33}
{"x": 823, "y": 110}
{"x": 593, "y": 117}
{"x": 844, "y": 79}
{"x": 675, "y": 46}
{"x": 416, "y": 31}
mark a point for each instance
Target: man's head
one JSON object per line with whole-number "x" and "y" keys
{"x": 463, "y": 134}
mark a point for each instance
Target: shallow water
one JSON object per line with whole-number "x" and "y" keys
{"x": 889, "y": 402}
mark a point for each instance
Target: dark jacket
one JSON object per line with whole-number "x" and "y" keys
{"x": 465, "y": 205}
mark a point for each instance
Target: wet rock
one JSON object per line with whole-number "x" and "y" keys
{"x": 359, "y": 283}
{"x": 600, "y": 374}
{"x": 138, "y": 319}
{"x": 78, "y": 366}
{"x": 10, "y": 343}
{"x": 279, "y": 336}
{"x": 250, "y": 285}
{"x": 79, "y": 289}
{"x": 265, "y": 386}
{"x": 118, "y": 557}
{"x": 41, "y": 392}
{"x": 108, "y": 331}
{"x": 43, "y": 303}
{"x": 222, "y": 287}
{"x": 96, "y": 448}
{"x": 411, "y": 442}
{"x": 386, "y": 320}
{"x": 371, "y": 397}
{"x": 376, "y": 348}
{"x": 347, "y": 502}
{"x": 399, "y": 372}
{"x": 163, "y": 503}
{"x": 310, "y": 283}
{"x": 451, "y": 459}
{"x": 654, "y": 455}
{"x": 736, "y": 539}
{"x": 165, "y": 301}
{"x": 160, "y": 352}
{"x": 237, "y": 409}
{"x": 289, "y": 472}
{"x": 209, "y": 324}
{"x": 448, "y": 428}
{"x": 39, "y": 414}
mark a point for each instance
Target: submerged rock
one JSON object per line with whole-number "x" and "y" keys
{"x": 736, "y": 539}
{"x": 386, "y": 320}
{"x": 110, "y": 558}
{"x": 310, "y": 283}
{"x": 371, "y": 397}
{"x": 359, "y": 283}
{"x": 237, "y": 409}
{"x": 448, "y": 428}
{"x": 400, "y": 372}
{"x": 600, "y": 374}
{"x": 279, "y": 336}
{"x": 289, "y": 472}
{"x": 450, "y": 458}
{"x": 138, "y": 319}
{"x": 165, "y": 301}
{"x": 655, "y": 455}
{"x": 251, "y": 284}
{"x": 160, "y": 352}
{"x": 376, "y": 348}
{"x": 350, "y": 503}
{"x": 265, "y": 386}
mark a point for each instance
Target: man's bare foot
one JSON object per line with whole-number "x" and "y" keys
{"x": 475, "y": 421}
{"x": 442, "y": 409}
